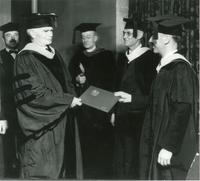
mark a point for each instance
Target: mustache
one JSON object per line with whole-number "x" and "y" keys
{"x": 13, "y": 41}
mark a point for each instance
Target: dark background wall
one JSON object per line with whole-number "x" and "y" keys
{"x": 73, "y": 12}
{"x": 5, "y": 15}
{"x": 19, "y": 10}
{"x": 189, "y": 44}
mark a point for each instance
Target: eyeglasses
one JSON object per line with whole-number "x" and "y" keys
{"x": 128, "y": 34}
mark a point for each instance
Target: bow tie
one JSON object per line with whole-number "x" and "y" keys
{"x": 13, "y": 51}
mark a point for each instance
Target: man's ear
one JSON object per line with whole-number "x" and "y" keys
{"x": 3, "y": 39}
{"x": 140, "y": 34}
{"x": 96, "y": 37}
{"x": 167, "y": 39}
{"x": 31, "y": 33}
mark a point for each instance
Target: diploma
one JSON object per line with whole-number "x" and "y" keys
{"x": 99, "y": 98}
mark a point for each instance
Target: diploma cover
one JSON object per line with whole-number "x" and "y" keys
{"x": 99, "y": 98}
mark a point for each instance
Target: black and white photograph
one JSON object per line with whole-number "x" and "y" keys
{"x": 99, "y": 90}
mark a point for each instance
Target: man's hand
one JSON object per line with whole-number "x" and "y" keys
{"x": 81, "y": 78}
{"x": 3, "y": 126}
{"x": 76, "y": 102}
{"x": 124, "y": 97}
{"x": 112, "y": 119}
{"x": 164, "y": 157}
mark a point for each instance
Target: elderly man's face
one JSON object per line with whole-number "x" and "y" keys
{"x": 89, "y": 39}
{"x": 43, "y": 36}
{"x": 11, "y": 39}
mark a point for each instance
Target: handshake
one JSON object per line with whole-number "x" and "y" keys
{"x": 3, "y": 126}
{"x": 76, "y": 102}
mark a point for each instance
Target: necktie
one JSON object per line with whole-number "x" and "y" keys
{"x": 48, "y": 49}
{"x": 13, "y": 53}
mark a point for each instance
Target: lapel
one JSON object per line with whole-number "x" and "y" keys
{"x": 7, "y": 62}
{"x": 68, "y": 80}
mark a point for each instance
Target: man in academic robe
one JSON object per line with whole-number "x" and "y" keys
{"x": 44, "y": 98}
{"x": 10, "y": 35}
{"x": 3, "y": 129}
{"x": 94, "y": 66}
{"x": 169, "y": 139}
{"x": 136, "y": 70}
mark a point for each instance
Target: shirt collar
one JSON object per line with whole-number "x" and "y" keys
{"x": 136, "y": 53}
{"x": 8, "y": 49}
{"x": 91, "y": 50}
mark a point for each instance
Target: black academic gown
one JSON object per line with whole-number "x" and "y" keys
{"x": 2, "y": 117}
{"x": 43, "y": 99}
{"x": 7, "y": 63}
{"x": 95, "y": 128}
{"x": 99, "y": 67}
{"x": 134, "y": 78}
{"x": 171, "y": 122}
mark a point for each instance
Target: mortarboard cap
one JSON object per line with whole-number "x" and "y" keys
{"x": 83, "y": 27}
{"x": 9, "y": 27}
{"x": 38, "y": 20}
{"x": 135, "y": 22}
{"x": 172, "y": 25}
